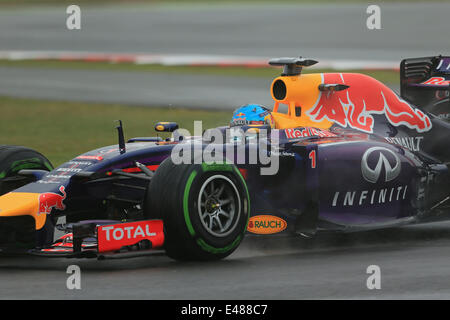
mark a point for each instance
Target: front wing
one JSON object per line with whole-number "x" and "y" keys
{"x": 99, "y": 239}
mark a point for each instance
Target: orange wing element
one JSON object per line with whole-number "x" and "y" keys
{"x": 300, "y": 94}
{"x": 20, "y": 204}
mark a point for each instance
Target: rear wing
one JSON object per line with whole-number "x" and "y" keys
{"x": 425, "y": 82}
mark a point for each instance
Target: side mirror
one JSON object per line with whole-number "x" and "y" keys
{"x": 166, "y": 126}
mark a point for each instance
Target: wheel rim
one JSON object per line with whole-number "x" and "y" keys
{"x": 219, "y": 205}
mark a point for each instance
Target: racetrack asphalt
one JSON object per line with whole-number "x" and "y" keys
{"x": 333, "y": 31}
{"x": 137, "y": 88}
{"x": 414, "y": 263}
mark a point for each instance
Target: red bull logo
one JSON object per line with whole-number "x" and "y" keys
{"x": 294, "y": 133}
{"x": 50, "y": 200}
{"x": 437, "y": 81}
{"x": 355, "y": 106}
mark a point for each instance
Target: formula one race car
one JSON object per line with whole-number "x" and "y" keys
{"x": 339, "y": 152}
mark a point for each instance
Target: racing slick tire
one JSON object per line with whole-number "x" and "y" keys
{"x": 205, "y": 209}
{"x": 15, "y": 158}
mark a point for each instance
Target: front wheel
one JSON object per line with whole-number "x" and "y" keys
{"x": 15, "y": 158}
{"x": 205, "y": 209}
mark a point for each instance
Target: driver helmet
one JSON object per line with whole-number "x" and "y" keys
{"x": 252, "y": 115}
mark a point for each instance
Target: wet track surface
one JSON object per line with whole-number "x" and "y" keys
{"x": 137, "y": 88}
{"x": 414, "y": 262}
{"x": 269, "y": 30}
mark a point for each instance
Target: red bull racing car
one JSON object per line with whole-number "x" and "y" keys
{"x": 338, "y": 152}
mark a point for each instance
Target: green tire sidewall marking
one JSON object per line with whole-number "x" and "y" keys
{"x": 187, "y": 219}
{"x": 212, "y": 249}
{"x": 30, "y": 160}
{"x": 29, "y": 164}
{"x": 248, "y": 195}
{"x": 48, "y": 166}
{"x": 216, "y": 167}
{"x": 212, "y": 167}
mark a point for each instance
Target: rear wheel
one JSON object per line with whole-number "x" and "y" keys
{"x": 15, "y": 158}
{"x": 205, "y": 209}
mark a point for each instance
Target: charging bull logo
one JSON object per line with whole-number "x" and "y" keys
{"x": 50, "y": 200}
{"x": 355, "y": 106}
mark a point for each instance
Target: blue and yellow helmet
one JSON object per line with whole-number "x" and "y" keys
{"x": 252, "y": 115}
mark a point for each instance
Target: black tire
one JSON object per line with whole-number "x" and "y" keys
{"x": 173, "y": 195}
{"x": 15, "y": 158}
